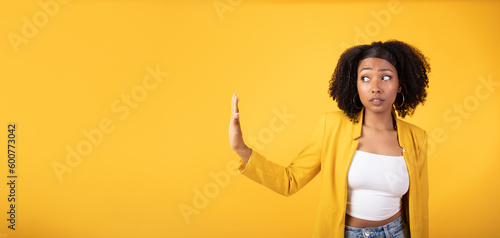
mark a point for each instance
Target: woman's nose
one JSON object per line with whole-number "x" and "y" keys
{"x": 375, "y": 86}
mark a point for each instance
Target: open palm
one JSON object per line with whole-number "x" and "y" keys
{"x": 235, "y": 134}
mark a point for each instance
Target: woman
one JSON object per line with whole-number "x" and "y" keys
{"x": 374, "y": 165}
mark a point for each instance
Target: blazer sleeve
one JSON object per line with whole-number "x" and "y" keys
{"x": 290, "y": 179}
{"x": 424, "y": 182}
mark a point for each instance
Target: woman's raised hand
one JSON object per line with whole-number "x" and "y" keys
{"x": 235, "y": 134}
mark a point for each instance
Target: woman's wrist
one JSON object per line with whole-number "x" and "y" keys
{"x": 244, "y": 152}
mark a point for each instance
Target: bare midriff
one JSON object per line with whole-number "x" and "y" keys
{"x": 361, "y": 223}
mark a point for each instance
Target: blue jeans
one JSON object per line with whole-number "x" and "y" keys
{"x": 394, "y": 229}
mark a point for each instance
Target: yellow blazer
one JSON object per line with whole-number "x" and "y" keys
{"x": 330, "y": 149}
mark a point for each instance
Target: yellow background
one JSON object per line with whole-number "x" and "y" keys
{"x": 279, "y": 57}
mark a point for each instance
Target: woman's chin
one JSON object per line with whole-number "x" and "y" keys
{"x": 378, "y": 109}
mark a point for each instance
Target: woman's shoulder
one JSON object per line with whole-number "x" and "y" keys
{"x": 336, "y": 119}
{"x": 412, "y": 128}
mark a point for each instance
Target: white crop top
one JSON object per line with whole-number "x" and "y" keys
{"x": 375, "y": 185}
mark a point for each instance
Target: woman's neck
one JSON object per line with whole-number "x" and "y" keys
{"x": 379, "y": 121}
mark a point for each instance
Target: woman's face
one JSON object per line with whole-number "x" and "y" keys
{"x": 378, "y": 84}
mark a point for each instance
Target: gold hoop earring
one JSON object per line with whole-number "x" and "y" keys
{"x": 354, "y": 102}
{"x": 401, "y": 102}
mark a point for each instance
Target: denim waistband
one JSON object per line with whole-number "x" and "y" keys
{"x": 393, "y": 224}
{"x": 391, "y": 228}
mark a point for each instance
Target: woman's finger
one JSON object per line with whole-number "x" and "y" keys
{"x": 234, "y": 111}
{"x": 236, "y": 103}
{"x": 237, "y": 110}
{"x": 232, "y": 104}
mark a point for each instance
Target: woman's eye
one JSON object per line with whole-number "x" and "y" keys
{"x": 364, "y": 78}
{"x": 386, "y": 77}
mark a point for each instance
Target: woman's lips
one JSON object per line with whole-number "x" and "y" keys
{"x": 377, "y": 101}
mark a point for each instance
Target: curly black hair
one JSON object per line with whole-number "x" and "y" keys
{"x": 411, "y": 65}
